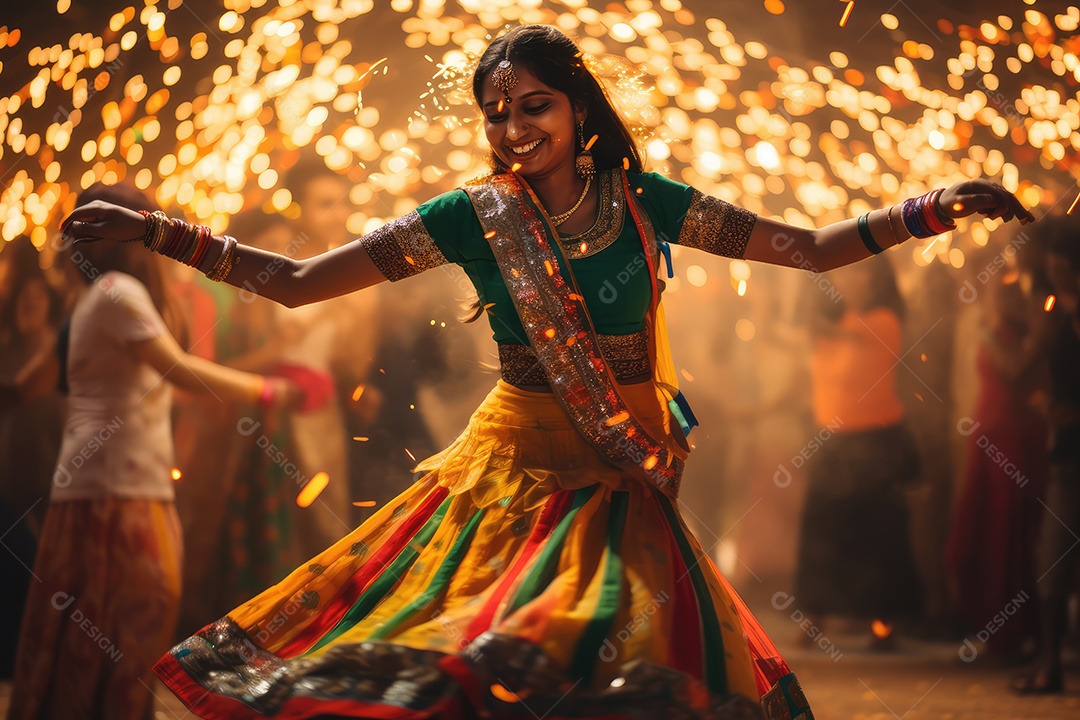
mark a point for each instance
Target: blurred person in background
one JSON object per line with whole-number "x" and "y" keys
{"x": 855, "y": 557}
{"x": 1058, "y": 558}
{"x": 108, "y": 572}
{"x": 991, "y": 549}
{"x": 335, "y": 341}
{"x": 31, "y": 419}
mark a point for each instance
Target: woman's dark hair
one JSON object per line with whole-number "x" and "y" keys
{"x": 95, "y": 259}
{"x": 556, "y": 61}
{"x": 26, "y": 272}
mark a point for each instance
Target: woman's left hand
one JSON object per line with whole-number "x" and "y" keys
{"x": 989, "y": 198}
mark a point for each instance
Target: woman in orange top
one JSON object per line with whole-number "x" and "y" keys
{"x": 855, "y": 553}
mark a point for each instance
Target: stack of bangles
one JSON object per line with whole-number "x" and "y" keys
{"x": 186, "y": 243}
{"x": 920, "y": 216}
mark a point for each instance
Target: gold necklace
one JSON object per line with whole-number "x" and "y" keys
{"x": 563, "y": 217}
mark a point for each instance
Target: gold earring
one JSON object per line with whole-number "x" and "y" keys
{"x": 583, "y": 163}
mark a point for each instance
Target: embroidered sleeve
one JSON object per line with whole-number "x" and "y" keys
{"x": 716, "y": 226}
{"x": 403, "y": 248}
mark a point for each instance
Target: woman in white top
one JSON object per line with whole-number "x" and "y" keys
{"x": 106, "y": 587}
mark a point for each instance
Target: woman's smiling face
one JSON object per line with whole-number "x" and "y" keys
{"x": 537, "y": 128}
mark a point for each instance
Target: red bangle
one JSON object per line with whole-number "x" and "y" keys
{"x": 266, "y": 393}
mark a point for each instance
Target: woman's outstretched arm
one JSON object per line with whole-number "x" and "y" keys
{"x": 297, "y": 282}
{"x": 280, "y": 278}
{"x": 841, "y": 243}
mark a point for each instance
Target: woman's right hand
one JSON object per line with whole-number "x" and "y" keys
{"x": 99, "y": 220}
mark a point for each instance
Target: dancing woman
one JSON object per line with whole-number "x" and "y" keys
{"x": 540, "y": 564}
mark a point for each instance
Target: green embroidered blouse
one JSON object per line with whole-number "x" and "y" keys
{"x": 607, "y": 260}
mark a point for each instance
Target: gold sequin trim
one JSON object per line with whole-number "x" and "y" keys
{"x": 518, "y": 365}
{"x": 609, "y": 220}
{"x": 716, "y": 226}
{"x": 627, "y": 355}
{"x": 403, "y": 248}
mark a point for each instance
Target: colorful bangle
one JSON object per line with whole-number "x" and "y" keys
{"x": 867, "y": 236}
{"x": 921, "y": 217}
{"x": 266, "y": 393}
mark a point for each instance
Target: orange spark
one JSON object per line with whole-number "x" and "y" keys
{"x": 312, "y": 490}
{"x": 650, "y": 462}
{"x": 881, "y": 629}
{"x": 549, "y": 267}
{"x": 1050, "y": 302}
{"x": 176, "y": 474}
{"x": 847, "y": 12}
{"x": 1073, "y": 206}
{"x": 411, "y": 456}
{"x": 357, "y": 392}
{"x": 616, "y": 419}
{"x": 515, "y": 167}
{"x": 360, "y": 438}
{"x": 589, "y": 144}
{"x": 550, "y": 332}
{"x": 365, "y": 503}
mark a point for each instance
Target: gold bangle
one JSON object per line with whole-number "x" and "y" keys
{"x": 226, "y": 262}
{"x": 161, "y": 223}
{"x": 892, "y": 226}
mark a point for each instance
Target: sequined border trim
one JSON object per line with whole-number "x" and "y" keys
{"x": 228, "y": 671}
{"x": 716, "y": 226}
{"x": 518, "y": 365}
{"x": 403, "y": 248}
{"x": 560, "y": 333}
{"x": 626, "y": 355}
{"x": 609, "y": 221}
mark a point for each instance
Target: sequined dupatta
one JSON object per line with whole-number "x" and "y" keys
{"x": 563, "y": 337}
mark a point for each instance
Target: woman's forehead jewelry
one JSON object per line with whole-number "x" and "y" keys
{"x": 504, "y": 79}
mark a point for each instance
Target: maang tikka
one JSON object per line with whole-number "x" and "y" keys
{"x": 504, "y": 79}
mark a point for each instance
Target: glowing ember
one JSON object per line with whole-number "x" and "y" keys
{"x": 1051, "y": 300}
{"x": 506, "y": 695}
{"x": 847, "y": 12}
{"x": 881, "y": 629}
{"x": 411, "y": 456}
{"x": 361, "y": 438}
{"x": 549, "y": 267}
{"x": 1073, "y": 206}
{"x": 592, "y": 140}
{"x": 550, "y": 332}
{"x": 650, "y": 462}
{"x": 489, "y": 234}
{"x": 616, "y": 419}
{"x": 313, "y": 489}
{"x": 958, "y": 206}
{"x": 584, "y": 247}
{"x": 176, "y": 474}
{"x": 357, "y": 392}
{"x": 365, "y": 503}
{"x": 515, "y": 167}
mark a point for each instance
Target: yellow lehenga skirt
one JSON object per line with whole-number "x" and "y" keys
{"x": 520, "y": 576}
